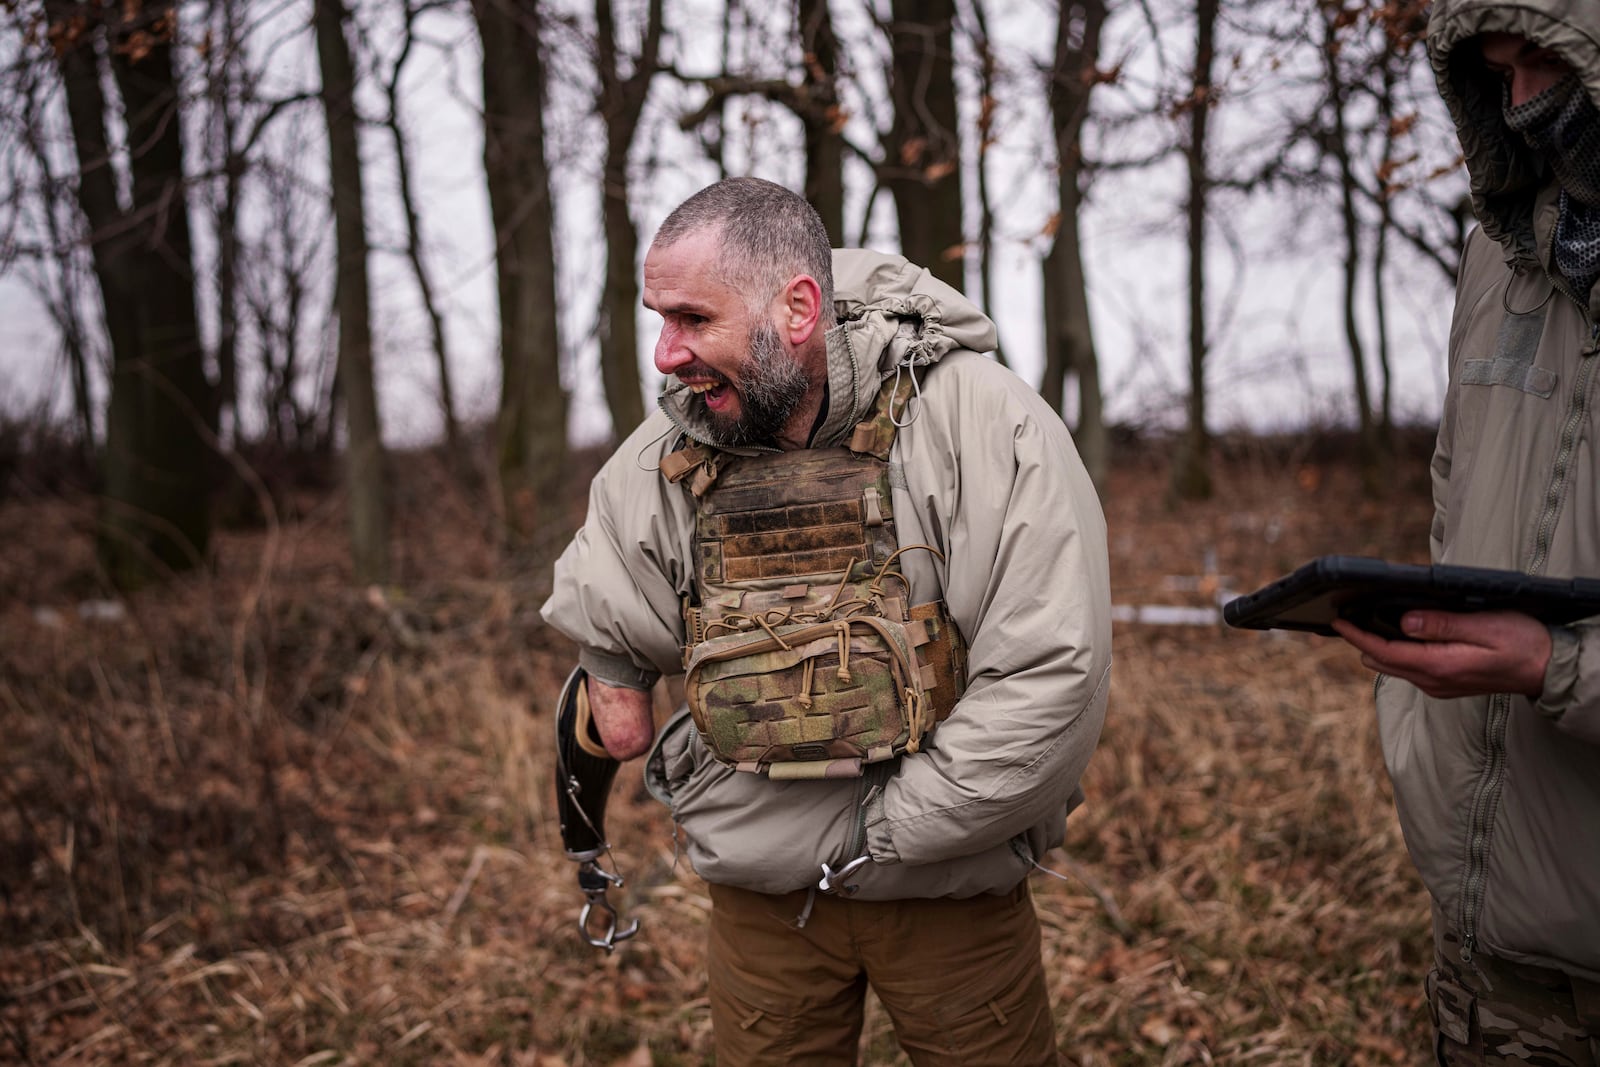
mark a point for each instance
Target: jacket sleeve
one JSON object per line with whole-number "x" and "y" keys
{"x": 1026, "y": 578}
{"x": 1571, "y": 697}
{"x": 617, "y": 588}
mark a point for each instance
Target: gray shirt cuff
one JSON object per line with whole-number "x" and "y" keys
{"x": 880, "y": 843}
{"x": 1560, "y": 674}
{"x": 617, "y": 671}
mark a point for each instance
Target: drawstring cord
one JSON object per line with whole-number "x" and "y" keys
{"x": 913, "y": 402}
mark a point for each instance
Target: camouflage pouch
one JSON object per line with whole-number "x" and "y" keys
{"x": 814, "y": 700}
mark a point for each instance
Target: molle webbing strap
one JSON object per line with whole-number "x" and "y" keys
{"x": 874, "y": 436}
{"x": 693, "y": 458}
{"x": 793, "y": 514}
{"x": 944, "y": 657}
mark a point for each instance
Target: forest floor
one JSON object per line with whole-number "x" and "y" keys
{"x": 262, "y": 817}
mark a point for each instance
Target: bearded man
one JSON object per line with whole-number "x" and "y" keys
{"x": 1491, "y": 721}
{"x": 879, "y": 562}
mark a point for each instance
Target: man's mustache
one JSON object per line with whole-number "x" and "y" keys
{"x": 698, "y": 370}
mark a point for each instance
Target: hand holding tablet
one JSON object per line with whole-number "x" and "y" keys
{"x": 1374, "y": 594}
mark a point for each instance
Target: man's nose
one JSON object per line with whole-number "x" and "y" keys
{"x": 1521, "y": 88}
{"x": 670, "y": 351}
{"x": 1530, "y": 82}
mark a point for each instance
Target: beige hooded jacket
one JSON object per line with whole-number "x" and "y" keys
{"x": 1499, "y": 796}
{"x": 986, "y": 473}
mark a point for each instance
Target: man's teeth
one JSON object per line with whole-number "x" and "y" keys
{"x": 702, "y": 387}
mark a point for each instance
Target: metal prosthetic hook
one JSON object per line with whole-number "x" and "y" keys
{"x": 583, "y": 784}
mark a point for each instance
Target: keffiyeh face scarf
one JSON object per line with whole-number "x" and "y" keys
{"x": 1563, "y": 126}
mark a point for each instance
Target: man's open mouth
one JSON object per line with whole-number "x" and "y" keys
{"x": 714, "y": 394}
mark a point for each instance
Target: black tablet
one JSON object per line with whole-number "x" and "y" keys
{"x": 1373, "y": 594}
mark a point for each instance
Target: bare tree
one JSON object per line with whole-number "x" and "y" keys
{"x": 413, "y": 220}
{"x": 155, "y": 515}
{"x": 922, "y": 167}
{"x": 58, "y": 277}
{"x": 813, "y": 99}
{"x": 821, "y": 116}
{"x": 1191, "y": 470}
{"x": 532, "y": 429}
{"x": 988, "y": 104}
{"x": 1336, "y": 144}
{"x": 1069, "y": 339}
{"x": 226, "y": 88}
{"x": 622, "y": 97}
{"x": 364, "y": 456}
{"x": 276, "y": 290}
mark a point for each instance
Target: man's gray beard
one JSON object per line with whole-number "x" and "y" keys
{"x": 771, "y": 385}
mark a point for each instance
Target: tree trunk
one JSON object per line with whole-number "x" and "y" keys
{"x": 621, "y": 103}
{"x": 821, "y": 117}
{"x": 986, "y": 109}
{"x": 923, "y": 165}
{"x": 408, "y": 203}
{"x": 1380, "y": 252}
{"x": 1069, "y": 338}
{"x": 532, "y": 423}
{"x": 224, "y": 118}
{"x": 155, "y": 516}
{"x": 1191, "y": 471}
{"x": 364, "y": 458}
{"x": 63, "y": 297}
{"x": 1338, "y": 145}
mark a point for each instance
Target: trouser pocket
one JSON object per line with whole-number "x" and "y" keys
{"x": 1452, "y": 1007}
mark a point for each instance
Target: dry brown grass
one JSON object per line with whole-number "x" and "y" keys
{"x": 268, "y": 819}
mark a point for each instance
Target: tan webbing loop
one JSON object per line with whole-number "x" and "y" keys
{"x": 674, "y": 465}
{"x": 696, "y": 458}
{"x": 874, "y": 435}
{"x": 844, "y": 652}
{"x": 915, "y": 705}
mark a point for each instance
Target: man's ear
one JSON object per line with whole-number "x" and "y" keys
{"x": 801, "y": 311}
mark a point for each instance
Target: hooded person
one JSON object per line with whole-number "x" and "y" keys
{"x": 882, "y": 567}
{"x": 1490, "y": 722}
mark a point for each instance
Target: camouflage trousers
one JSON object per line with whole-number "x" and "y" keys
{"x": 1492, "y": 1011}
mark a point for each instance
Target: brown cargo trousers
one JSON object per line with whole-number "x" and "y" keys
{"x": 1492, "y": 1011}
{"x": 962, "y": 980}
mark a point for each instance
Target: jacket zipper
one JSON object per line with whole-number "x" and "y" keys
{"x": 1491, "y": 780}
{"x": 868, "y": 787}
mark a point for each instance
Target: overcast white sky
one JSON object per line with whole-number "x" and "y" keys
{"x": 1278, "y": 359}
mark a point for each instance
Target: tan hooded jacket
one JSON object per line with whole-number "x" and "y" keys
{"x": 1499, "y": 796}
{"x": 986, "y": 473}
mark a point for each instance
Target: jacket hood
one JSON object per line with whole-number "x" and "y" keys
{"x": 1506, "y": 175}
{"x": 892, "y": 317}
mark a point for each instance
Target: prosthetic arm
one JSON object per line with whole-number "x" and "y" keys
{"x": 584, "y": 772}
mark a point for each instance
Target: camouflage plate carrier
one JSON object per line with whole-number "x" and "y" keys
{"x": 804, "y": 657}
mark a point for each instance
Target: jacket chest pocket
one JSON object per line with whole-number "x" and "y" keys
{"x": 1499, "y": 381}
{"x": 1510, "y": 362}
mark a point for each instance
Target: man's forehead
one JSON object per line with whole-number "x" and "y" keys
{"x": 1507, "y": 47}
{"x": 687, "y": 269}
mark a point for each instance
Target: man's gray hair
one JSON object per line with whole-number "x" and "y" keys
{"x": 769, "y": 234}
